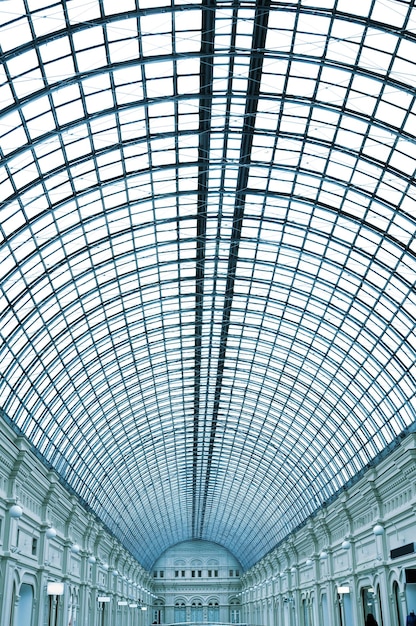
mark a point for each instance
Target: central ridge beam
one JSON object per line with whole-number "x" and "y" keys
{"x": 253, "y": 90}
{"x": 205, "y": 109}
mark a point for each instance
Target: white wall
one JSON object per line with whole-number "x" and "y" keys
{"x": 210, "y": 594}
{"x": 272, "y": 592}
{"x": 29, "y": 560}
{"x": 384, "y": 496}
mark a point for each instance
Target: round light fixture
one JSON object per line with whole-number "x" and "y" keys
{"x": 16, "y": 511}
{"x": 50, "y": 533}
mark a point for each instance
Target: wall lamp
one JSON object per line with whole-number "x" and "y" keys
{"x": 50, "y": 533}
{"x": 15, "y": 511}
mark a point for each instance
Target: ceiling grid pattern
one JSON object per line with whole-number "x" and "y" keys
{"x": 207, "y": 255}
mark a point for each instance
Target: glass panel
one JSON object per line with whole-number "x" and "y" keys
{"x": 207, "y": 241}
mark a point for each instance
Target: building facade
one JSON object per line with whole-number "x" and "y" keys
{"x": 59, "y": 566}
{"x": 197, "y": 581}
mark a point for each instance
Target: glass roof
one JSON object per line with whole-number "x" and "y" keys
{"x": 207, "y": 252}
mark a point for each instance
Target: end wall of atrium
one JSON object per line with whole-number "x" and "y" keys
{"x": 197, "y": 582}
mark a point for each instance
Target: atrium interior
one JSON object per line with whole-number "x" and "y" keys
{"x": 207, "y": 312}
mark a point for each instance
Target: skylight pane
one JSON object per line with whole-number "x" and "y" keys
{"x": 206, "y": 240}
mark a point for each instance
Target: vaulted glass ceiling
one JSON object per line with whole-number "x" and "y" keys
{"x": 207, "y": 249}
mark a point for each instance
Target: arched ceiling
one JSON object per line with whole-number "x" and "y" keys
{"x": 208, "y": 217}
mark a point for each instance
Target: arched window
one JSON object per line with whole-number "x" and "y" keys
{"x": 158, "y": 614}
{"x": 397, "y": 609}
{"x": 213, "y": 611}
{"x": 380, "y": 606}
{"x": 197, "y": 613}
{"x": 180, "y": 612}
{"x": 25, "y": 605}
{"x": 72, "y": 609}
{"x": 305, "y": 611}
{"x": 235, "y": 614}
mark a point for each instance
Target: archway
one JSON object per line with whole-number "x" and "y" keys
{"x": 25, "y": 606}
